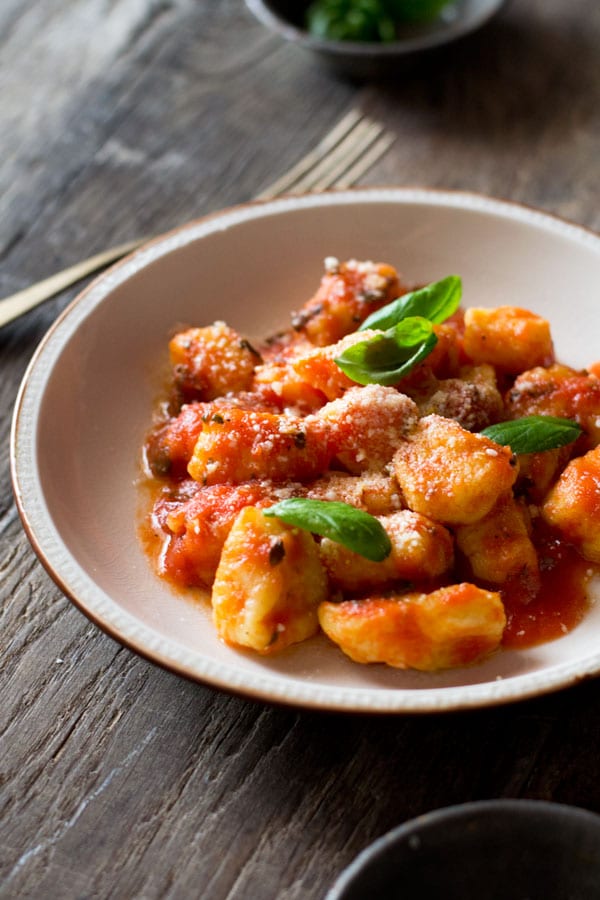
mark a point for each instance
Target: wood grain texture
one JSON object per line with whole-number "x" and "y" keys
{"x": 121, "y": 117}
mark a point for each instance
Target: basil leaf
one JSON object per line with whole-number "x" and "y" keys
{"x": 350, "y": 20}
{"x": 436, "y": 302}
{"x": 387, "y": 357}
{"x": 415, "y": 11}
{"x": 343, "y": 523}
{"x": 532, "y": 434}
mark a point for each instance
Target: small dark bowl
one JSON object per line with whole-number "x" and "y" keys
{"x": 366, "y": 60}
{"x": 497, "y": 850}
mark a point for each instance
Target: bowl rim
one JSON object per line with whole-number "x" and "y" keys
{"x": 520, "y": 807}
{"x": 139, "y": 637}
{"x": 405, "y": 46}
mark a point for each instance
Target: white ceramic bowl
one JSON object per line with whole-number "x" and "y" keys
{"x": 87, "y": 399}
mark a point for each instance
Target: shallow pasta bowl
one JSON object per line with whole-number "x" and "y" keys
{"x": 87, "y": 398}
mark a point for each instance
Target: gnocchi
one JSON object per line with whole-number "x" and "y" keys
{"x": 474, "y": 531}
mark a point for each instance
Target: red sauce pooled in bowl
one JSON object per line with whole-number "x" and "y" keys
{"x": 561, "y": 602}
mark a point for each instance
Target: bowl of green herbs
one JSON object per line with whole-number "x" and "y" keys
{"x": 369, "y": 38}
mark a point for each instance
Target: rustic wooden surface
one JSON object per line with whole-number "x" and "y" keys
{"x": 125, "y": 117}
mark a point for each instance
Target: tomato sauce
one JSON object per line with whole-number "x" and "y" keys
{"x": 559, "y": 605}
{"x": 556, "y": 609}
{"x": 242, "y": 430}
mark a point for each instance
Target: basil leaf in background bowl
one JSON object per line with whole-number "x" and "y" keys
{"x": 533, "y": 434}
{"x": 350, "y": 20}
{"x": 368, "y": 20}
{"x": 436, "y": 302}
{"x": 415, "y": 11}
{"x": 341, "y": 522}
{"x": 385, "y": 358}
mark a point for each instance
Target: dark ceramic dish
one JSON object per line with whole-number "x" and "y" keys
{"x": 497, "y": 850}
{"x": 374, "y": 60}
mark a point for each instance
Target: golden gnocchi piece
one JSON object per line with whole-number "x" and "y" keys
{"x": 287, "y": 387}
{"x": 238, "y": 445}
{"x": 453, "y": 626}
{"x": 367, "y": 424}
{"x": 508, "y": 337}
{"x": 210, "y": 362}
{"x": 348, "y": 293}
{"x": 450, "y": 474}
{"x": 268, "y": 584}
{"x": 318, "y": 367}
{"x": 559, "y": 391}
{"x": 498, "y": 546}
{"x": 573, "y": 504}
{"x": 197, "y": 528}
{"x": 374, "y": 492}
{"x": 538, "y": 471}
{"x": 421, "y": 550}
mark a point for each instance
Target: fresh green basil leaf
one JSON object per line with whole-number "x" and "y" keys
{"x": 387, "y": 357}
{"x": 415, "y": 11}
{"x": 532, "y": 434}
{"x": 436, "y": 302}
{"x": 343, "y": 523}
{"x": 350, "y": 20}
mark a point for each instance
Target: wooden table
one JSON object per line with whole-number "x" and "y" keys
{"x": 120, "y": 779}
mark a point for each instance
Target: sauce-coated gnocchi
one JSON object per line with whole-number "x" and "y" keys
{"x": 477, "y": 532}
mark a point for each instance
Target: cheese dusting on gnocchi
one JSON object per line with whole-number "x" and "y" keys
{"x": 490, "y": 548}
